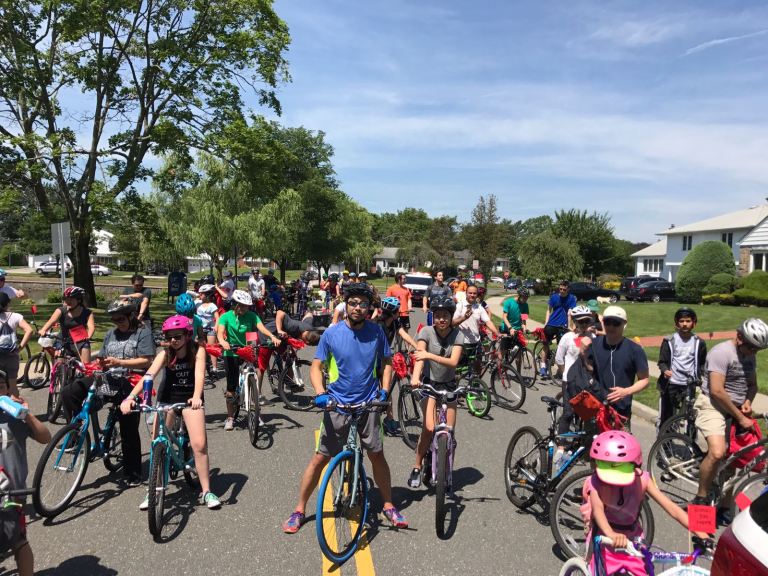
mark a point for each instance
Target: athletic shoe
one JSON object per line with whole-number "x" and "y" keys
{"x": 294, "y": 522}
{"x": 263, "y": 400}
{"x": 414, "y": 480}
{"x": 144, "y": 503}
{"x": 211, "y": 500}
{"x": 395, "y": 518}
{"x": 229, "y": 424}
{"x": 133, "y": 480}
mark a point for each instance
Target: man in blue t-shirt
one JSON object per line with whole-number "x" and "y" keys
{"x": 359, "y": 363}
{"x": 556, "y": 322}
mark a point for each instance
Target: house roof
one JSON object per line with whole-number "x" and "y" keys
{"x": 658, "y": 249}
{"x": 387, "y": 253}
{"x": 748, "y": 218}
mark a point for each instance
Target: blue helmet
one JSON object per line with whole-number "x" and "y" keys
{"x": 185, "y": 305}
{"x": 390, "y": 304}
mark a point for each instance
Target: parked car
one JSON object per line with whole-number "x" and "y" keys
{"x": 590, "y": 290}
{"x": 99, "y": 270}
{"x": 52, "y": 267}
{"x": 157, "y": 270}
{"x": 392, "y": 270}
{"x": 497, "y": 279}
{"x": 417, "y": 283}
{"x": 529, "y": 284}
{"x": 654, "y": 291}
{"x": 634, "y": 281}
{"x": 513, "y": 284}
{"x": 741, "y": 547}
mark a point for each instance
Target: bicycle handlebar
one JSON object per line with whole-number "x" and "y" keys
{"x": 333, "y": 405}
{"x": 629, "y": 549}
{"x": 162, "y": 408}
{"x": 450, "y": 394}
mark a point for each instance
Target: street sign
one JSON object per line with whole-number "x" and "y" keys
{"x": 60, "y": 238}
{"x": 475, "y": 264}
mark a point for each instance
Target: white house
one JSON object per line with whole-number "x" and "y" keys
{"x": 387, "y": 259}
{"x": 745, "y": 232}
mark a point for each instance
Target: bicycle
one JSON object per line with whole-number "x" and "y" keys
{"x": 64, "y": 461}
{"x": 506, "y": 389}
{"x": 538, "y": 348}
{"x": 292, "y": 384}
{"x": 520, "y": 356}
{"x": 684, "y": 420}
{"x": 169, "y": 454}
{"x": 684, "y": 562}
{"x": 37, "y": 372}
{"x": 343, "y": 492}
{"x": 64, "y": 369}
{"x": 408, "y": 401}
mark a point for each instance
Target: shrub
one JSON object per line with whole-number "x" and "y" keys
{"x": 720, "y": 284}
{"x": 745, "y": 296}
{"x": 757, "y": 280}
{"x": 703, "y": 262}
{"x": 53, "y": 297}
{"x": 612, "y": 285}
{"x": 724, "y": 299}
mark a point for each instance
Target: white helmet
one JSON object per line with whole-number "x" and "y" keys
{"x": 755, "y": 332}
{"x": 580, "y": 312}
{"x": 205, "y": 288}
{"x": 242, "y": 297}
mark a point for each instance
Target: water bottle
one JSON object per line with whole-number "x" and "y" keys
{"x": 147, "y": 393}
{"x": 551, "y": 448}
{"x": 13, "y": 408}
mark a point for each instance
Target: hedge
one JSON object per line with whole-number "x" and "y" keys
{"x": 721, "y": 284}
{"x": 745, "y": 296}
{"x": 724, "y": 299}
{"x": 703, "y": 262}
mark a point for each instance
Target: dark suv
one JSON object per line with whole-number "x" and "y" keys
{"x": 590, "y": 290}
{"x": 634, "y": 281}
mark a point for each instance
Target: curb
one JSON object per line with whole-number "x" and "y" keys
{"x": 645, "y": 412}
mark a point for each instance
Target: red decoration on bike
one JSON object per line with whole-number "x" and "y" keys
{"x": 742, "y": 500}
{"x": 419, "y": 327}
{"x": 247, "y": 354}
{"x": 251, "y": 336}
{"x": 743, "y": 440}
{"x": 34, "y": 309}
{"x": 701, "y": 518}
{"x": 608, "y": 419}
{"x": 214, "y": 350}
{"x": 539, "y": 334}
{"x": 135, "y": 379}
{"x": 296, "y": 343}
{"x": 92, "y": 367}
{"x": 399, "y": 365}
{"x": 78, "y": 333}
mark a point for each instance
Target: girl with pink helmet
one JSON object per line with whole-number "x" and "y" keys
{"x": 183, "y": 364}
{"x": 613, "y": 496}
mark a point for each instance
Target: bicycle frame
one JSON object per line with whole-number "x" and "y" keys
{"x": 173, "y": 442}
{"x": 442, "y": 429}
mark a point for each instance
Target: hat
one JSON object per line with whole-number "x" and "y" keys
{"x": 270, "y": 271}
{"x": 346, "y": 272}
{"x": 593, "y": 305}
{"x": 615, "y": 312}
{"x": 363, "y": 275}
{"x": 352, "y": 275}
{"x": 227, "y": 273}
{"x": 616, "y": 473}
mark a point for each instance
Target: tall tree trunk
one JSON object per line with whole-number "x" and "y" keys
{"x": 283, "y": 263}
{"x": 83, "y": 276}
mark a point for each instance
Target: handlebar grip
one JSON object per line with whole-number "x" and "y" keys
{"x": 630, "y": 548}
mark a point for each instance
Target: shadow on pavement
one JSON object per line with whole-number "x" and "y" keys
{"x": 79, "y": 565}
{"x": 178, "y": 507}
{"x": 221, "y": 484}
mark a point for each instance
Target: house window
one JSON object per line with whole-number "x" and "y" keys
{"x": 758, "y": 261}
{"x": 687, "y": 243}
{"x": 727, "y": 237}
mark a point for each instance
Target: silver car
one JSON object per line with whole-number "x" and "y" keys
{"x": 99, "y": 270}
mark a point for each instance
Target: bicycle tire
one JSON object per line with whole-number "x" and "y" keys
{"x": 37, "y": 371}
{"x": 54, "y": 397}
{"x": 296, "y": 395}
{"x": 479, "y": 403}
{"x": 673, "y": 462}
{"x": 254, "y": 411}
{"x": 441, "y": 484}
{"x": 678, "y": 424}
{"x": 537, "y": 348}
{"x": 409, "y": 415}
{"x": 752, "y": 487}
{"x": 348, "y": 517}
{"x": 575, "y": 567}
{"x": 524, "y": 462}
{"x": 59, "y": 468}
{"x": 113, "y": 446}
{"x": 156, "y": 489}
{"x": 190, "y": 472}
{"x": 507, "y": 387}
{"x": 566, "y": 521}
{"x": 525, "y": 363}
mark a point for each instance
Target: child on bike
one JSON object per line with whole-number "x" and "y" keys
{"x": 208, "y": 312}
{"x": 13, "y": 464}
{"x": 184, "y": 365}
{"x": 613, "y": 496}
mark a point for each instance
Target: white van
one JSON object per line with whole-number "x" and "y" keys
{"x": 417, "y": 283}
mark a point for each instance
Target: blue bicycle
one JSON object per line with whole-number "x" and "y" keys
{"x": 64, "y": 462}
{"x": 342, "y": 500}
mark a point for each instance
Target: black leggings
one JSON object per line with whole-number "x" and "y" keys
{"x": 72, "y": 398}
{"x": 232, "y": 369}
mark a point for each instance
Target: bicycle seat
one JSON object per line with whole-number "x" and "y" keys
{"x": 549, "y": 401}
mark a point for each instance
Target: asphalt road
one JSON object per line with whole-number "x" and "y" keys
{"x": 104, "y": 533}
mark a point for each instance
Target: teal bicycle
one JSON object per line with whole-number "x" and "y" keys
{"x": 342, "y": 500}
{"x": 170, "y": 454}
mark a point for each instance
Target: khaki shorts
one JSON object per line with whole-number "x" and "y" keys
{"x": 335, "y": 429}
{"x": 709, "y": 420}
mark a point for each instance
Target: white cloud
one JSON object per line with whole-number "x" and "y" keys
{"x": 720, "y": 41}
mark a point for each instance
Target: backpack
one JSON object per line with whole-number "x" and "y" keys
{"x": 7, "y": 336}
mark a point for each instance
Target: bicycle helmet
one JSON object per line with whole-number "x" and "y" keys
{"x": 685, "y": 312}
{"x": 206, "y": 289}
{"x": 755, "y": 332}
{"x": 390, "y": 304}
{"x": 522, "y": 292}
{"x": 121, "y": 307}
{"x": 581, "y": 312}
{"x": 358, "y": 289}
{"x": 177, "y": 322}
{"x": 616, "y": 453}
{"x": 185, "y": 305}
{"x": 442, "y": 303}
{"x": 242, "y": 297}
{"x": 353, "y": 274}
{"x": 208, "y": 279}
{"x": 74, "y": 292}
{"x": 334, "y": 277}
{"x": 2, "y": 273}
{"x": 254, "y": 270}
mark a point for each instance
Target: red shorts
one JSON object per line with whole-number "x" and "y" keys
{"x": 265, "y": 353}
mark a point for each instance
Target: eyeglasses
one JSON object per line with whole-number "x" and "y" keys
{"x": 359, "y": 304}
{"x": 172, "y": 337}
{"x": 612, "y": 322}
{"x": 119, "y": 319}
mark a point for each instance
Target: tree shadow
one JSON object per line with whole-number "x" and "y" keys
{"x": 77, "y": 566}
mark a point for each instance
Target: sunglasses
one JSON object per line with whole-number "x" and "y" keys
{"x": 119, "y": 319}
{"x": 584, "y": 321}
{"x": 172, "y": 337}
{"x": 612, "y": 322}
{"x": 358, "y": 304}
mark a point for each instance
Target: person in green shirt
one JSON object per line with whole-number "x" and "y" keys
{"x": 231, "y": 331}
{"x": 516, "y": 312}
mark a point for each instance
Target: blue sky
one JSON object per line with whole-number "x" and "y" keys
{"x": 655, "y": 112}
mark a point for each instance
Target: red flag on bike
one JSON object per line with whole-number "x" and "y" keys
{"x": 78, "y": 333}
{"x": 251, "y": 336}
{"x": 247, "y": 354}
{"x": 701, "y": 519}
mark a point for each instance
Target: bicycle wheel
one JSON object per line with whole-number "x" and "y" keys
{"x": 525, "y": 364}
{"x": 156, "y": 488}
{"x": 61, "y": 470}
{"x": 190, "y": 472}
{"x": 441, "y": 484}
{"x": 54, "y": 397}
{"x": 550, "y": 363}
{"x": 254, "y": 411}
{"x": 113, "y": 445}
{"x": 37, "y": 371}
{"x": 751, "y": 487}
{"x": 342, "y": 508}
{"x": 294, "y": 387}
{"x": 673, "y": 462}
{"x": 479, "y": 403}
{"x": 524, "y": 464}
{"x": 575, "y": 567}
{"x": 409, "y": 414}
{"x": 507, "y": 387}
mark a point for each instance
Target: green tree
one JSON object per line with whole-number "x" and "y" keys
{"x": 158, "y": 76}
{"x": 275, "y": 232}
{"x": 549, "y": 258}
{"x": 483, "y": 234}
{"x": 703, "y": 262}
{"x": 592, "y": 234}
{"x": 443, "y": 236}
{"x": 405, "y": 226}
{"x": 513, "y": 234}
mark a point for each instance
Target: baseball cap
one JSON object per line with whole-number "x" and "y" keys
{"x": 616, "y": 473}
{"x": 615, "y": 312}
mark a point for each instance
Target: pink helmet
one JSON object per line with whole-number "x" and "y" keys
{"x": 177, "y": 322}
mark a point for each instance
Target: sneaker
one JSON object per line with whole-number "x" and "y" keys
{"x": 701, "y": 501}
{"x": 395, "y": 518}
{"x": 390, "y": 427}
{"x": 144, "y": 503}
{"x": 211, "y": 500}
{"x": 133, "y": 480}
{"x": 543, "y": 372}
{"x": 229, "y": 424}
{"x": 414, "y": 480}
{"x": 263, "y": 400}
{"x": 294, "y": 522}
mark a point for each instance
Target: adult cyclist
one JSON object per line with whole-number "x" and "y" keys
{"x": 9, "y": 290}
{"x": 556, "y": 321}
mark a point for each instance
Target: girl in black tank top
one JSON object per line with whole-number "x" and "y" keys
{"x": 70, "y": 316}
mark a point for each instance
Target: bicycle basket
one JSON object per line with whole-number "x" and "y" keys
{"x": 247, "y": 353}
{"x": 110, "y": 387}
{"x": 585, "y": 405}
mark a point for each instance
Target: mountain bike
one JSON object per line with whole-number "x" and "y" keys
{"x": 169, "y": 454}
{"x": 539, "y": 347}
{"x": 684, "y": 420}
{"x": 65, "y": 459}
{"x": 506, "y": 389}
{"x": 342, "y": 499}
{"x": 66, "y": 367}
{"x": 516, "y": 352}
{"x": 293, "y": 383}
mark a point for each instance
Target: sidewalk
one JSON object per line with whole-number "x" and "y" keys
{"x": 760, "y": 404}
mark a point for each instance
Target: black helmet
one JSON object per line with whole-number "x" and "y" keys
{"x": 522, "y": 292}
{"x": 358, "y": 289}
{"x": 685, "y": 312}
{"x": 121, "y": 307}
{"x": 208, "y": 279}
{"x": 442, "y": 303}
{"x": 334, "y": 276}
